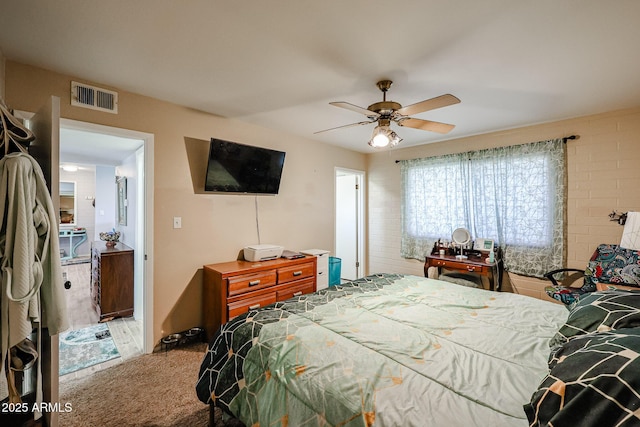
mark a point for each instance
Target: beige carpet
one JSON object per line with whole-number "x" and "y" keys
{"x": 152, "y": 390}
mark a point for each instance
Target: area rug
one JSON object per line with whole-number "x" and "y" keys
{"x": 86, "y": 347}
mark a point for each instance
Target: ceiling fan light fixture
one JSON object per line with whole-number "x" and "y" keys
{"x": 395, "y": 139}
{"x": 383, "y": 136}
{"x": 385, "y": 112}
{"x": 380, "y": 137}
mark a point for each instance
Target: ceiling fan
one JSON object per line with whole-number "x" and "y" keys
{"x": 385, "y": 112}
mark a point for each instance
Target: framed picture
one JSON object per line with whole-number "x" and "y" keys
{"x": 121, "y": 183}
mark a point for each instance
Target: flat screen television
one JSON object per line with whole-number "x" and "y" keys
{"x": 240, "y": 168}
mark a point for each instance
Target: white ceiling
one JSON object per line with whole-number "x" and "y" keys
{"x": 279, "y": 63}
{"x": 84, "y": 147}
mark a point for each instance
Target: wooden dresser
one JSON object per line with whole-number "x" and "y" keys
{"x": 112, "y": 279}
{"x": 233, "y": 288}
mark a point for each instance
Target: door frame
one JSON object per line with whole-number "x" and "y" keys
{"x": 147, "y": 258}
{"x": 148, "y": 144}
{"x": 361, "y": 269}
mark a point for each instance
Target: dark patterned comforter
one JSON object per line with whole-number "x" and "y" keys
{"x": 386, "y": 349}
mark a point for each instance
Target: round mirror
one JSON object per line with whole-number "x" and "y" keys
{"x": 461, "y": 237}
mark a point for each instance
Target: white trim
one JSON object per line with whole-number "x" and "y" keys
{"x": 148, "y": 138}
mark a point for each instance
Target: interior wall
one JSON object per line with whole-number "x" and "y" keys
{"x": 603, "y": 175}
{"x": 2, "y": 73}
{"x": 105, "y": 200}
{"x": 214, "y": 227}
{"x": 128, "y": 231}
{"x": 84, "y": 180}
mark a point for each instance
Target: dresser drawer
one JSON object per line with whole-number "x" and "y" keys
{"x": 296, "y": 272}
{"x": 239, "y": 307}
{"x": 251, "y": 282}
{"x": 232, "y": 288}
{"x": 304, "y": 287}
{"x": 460, "y": 266}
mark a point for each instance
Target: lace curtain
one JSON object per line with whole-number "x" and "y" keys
{"x": 514, "y": 195}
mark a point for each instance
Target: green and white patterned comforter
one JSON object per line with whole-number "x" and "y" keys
{"x": 385, "y": 350}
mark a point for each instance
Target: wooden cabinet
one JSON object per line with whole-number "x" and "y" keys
{"x": 233, "y": 288}
{"x": 478, "y": 265}
{"x": 112, "y": 279}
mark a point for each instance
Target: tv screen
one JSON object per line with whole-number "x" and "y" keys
{"x": 239, "y": 168}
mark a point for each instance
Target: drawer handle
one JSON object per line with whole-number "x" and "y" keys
{"x": 297, "y": 294}
{"x": 471, "y": 268}
{"x": 254, "y": 306}
{"x": 297, "y": 273}
{"x": 254, "y": 282}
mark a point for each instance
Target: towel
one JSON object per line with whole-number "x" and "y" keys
{"x": 631, "y": 233}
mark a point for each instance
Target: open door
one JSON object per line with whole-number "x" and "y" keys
{"x": 349, "y": 222}
{"x": 45, "y": 124}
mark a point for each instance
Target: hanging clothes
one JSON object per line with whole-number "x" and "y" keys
{"x": 32, "y": 285}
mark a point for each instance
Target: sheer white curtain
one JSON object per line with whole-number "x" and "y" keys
{"x": 514, "y": 195}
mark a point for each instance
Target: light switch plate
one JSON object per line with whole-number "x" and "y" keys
{"x": 177, "y": 222}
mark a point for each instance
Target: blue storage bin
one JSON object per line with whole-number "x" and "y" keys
{"x": 335, "y": 265}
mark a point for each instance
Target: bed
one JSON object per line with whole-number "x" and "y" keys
{"x": 397, "y": 350}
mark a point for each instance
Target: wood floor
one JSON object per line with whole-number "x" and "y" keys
{"x": 126, "y": 332}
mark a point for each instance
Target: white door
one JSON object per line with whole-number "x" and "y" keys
{"x": 45, "y": 125}
{"x": 349, "y": 220}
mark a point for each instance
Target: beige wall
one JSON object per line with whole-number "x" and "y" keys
{"x": 85, "y": 184}
{"x": 2, "y": 67}
{"x": 214, "y": 227}
{"x": 603, "y": 175}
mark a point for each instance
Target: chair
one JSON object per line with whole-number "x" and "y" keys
{"x": 610, "y": 267}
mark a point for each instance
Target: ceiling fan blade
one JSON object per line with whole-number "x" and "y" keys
{"x": 429, "y": 104}
{"x": 426, "y": 125}
{"x": 361, "y": 110}
{"x": 346, "y": 126}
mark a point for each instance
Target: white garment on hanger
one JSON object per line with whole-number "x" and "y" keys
{"x": 32, "y": 284}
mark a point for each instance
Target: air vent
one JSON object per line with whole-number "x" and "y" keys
{"x": 96, "y": 98}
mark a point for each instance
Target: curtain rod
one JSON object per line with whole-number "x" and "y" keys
{"x": 565, "y": 139}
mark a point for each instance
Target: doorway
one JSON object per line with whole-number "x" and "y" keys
{"x": 109, "y": 153}
{"x": 349, "y": 220}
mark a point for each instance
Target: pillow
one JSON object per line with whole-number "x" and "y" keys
{"x": 600, "y": 311}
{"x": 613, "y": 264}
{"x": 593, "y": 381}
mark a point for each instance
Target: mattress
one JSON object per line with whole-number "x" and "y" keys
{"x": 384, "y": 350}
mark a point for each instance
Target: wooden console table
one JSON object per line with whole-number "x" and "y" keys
{"x": 478, "y": 265}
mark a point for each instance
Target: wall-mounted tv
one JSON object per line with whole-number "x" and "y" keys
{"x": 240, "y": 168}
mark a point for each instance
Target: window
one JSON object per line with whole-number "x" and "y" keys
{"x": 513, "y": 195}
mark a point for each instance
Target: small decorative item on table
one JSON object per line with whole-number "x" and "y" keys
{"x": 110, "y": 237}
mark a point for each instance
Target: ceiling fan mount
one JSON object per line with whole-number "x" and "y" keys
{"x": 384, "y": 108}
{"x": 384, "y": 85}
{"x": 385, "y": 112}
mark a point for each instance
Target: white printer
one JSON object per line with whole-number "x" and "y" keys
{"x": 262, "y": 252}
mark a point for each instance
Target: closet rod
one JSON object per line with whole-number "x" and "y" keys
{"x": 565, "y": 139}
